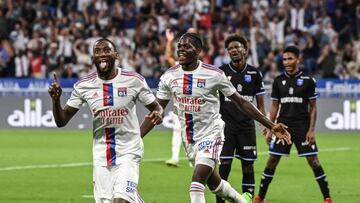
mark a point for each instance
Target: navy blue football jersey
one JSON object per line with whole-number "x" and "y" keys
{"x": 248, "y": 83}
{"x": 293, "y": 93}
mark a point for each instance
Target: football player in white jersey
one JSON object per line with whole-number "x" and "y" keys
{"x": 193, "y": 86}
{"x": 111, "y": 93}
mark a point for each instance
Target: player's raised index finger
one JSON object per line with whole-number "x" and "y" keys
{"x": 55, "y": 78}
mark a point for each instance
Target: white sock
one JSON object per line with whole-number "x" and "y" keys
{"x": 176, "y": 144}
{"x": 224, "y": 190}
{"x": 197, "y": 192}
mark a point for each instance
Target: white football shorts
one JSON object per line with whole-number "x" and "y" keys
{"x": 119, "y": 181}
{"x": 205, "y": 149}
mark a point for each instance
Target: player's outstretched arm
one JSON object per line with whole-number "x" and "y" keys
{"x": 154, "y": 117}
{"x": 248, "y": 108}
{"x": 62, "y": 116}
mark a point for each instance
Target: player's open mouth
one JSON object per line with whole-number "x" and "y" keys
{"x": 182, "y": 56}
{"x": 235, "y": 55}
{"x": 103, "y": 64}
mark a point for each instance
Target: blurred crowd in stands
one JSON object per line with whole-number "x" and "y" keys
{"x": 41, "y": 36}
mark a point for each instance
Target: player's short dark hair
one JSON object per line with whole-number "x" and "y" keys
{"x": 293, "y": 49}
{"x": 106, "y": 40}
{"x": 195, "y": 38}
{"x": 236, "y": 37}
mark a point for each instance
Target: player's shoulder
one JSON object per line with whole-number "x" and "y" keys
{"x": 281, "y": 76}
{"x": 173, "y": 69}
{"x": 211, "y": 68}
{"x": 171, "y": 72}
{"x": 84, "y": 81}
{"x": 224, "y": 67}
{"x": 132, "y": 75}
{"x": 252, "y": 70}
{"x": 306, "y": 76}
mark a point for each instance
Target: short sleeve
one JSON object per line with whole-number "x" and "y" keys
{"x": 163, "y": 91}
{"x": 275, "y": 95}
{"x": 225, "y": 86}
{"x": 145, "y": 95}
{"x": 259, "y": 85}
{"x": 75, "y": 99}
{"x": 312, "y": 93}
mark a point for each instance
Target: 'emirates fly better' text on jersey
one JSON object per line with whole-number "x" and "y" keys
{"x": 196, "y": 99}
{"x": 116, "y": 129}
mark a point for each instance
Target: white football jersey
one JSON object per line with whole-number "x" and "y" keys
{"x": 196, "y": 98}
{"x": 116, "y": 128}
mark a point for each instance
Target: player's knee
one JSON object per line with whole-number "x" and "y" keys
{"x": 203, "y": 170}
{"x": 313, "y": 161}
{"x": 247, "y": 166}
{"x": 226, "y": 161}
{"x": 119, "y": 200}
{"x": 273, "y": 161}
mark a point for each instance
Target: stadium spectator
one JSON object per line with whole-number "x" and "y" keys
{"x": 143, "y": 23}
{"x": 54, "y": 60}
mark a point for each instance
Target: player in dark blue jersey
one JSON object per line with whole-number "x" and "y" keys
{"x": 296, "y": 93}
{"x": 240, "y": 139}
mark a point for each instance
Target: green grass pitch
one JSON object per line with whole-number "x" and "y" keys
{"x": 55, "y": 166}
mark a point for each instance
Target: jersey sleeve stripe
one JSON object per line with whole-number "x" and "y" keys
{"x": 132, "y": 73}
{"x": 206, "y": 66}
{"x": 260, "y": 93}
{"x": 314, "y": 97}
{"x": 86, "y": 78}
{"x": 173, "y": 68}
{"x": 272, "y": 98}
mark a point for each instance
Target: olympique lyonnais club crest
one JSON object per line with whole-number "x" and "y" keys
{"x": 201, "y": 83}
{"x": 299, "y": 82}
{"x": 122, "y": 91}
{"x": 247, "y": 78}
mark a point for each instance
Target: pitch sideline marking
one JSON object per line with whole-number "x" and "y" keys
{"x": 70, "y": 165}
{"x": 260, "y": 153}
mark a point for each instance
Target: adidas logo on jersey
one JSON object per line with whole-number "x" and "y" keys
{"x": 95, "y": 95}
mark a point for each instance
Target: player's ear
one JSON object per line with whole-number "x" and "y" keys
{"x": 198, "y": 51}
{"x": 116, "y": 55}
{"x": 246, "y": 52}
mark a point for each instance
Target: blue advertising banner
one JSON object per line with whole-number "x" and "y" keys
{"x": 28, "y": 83}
